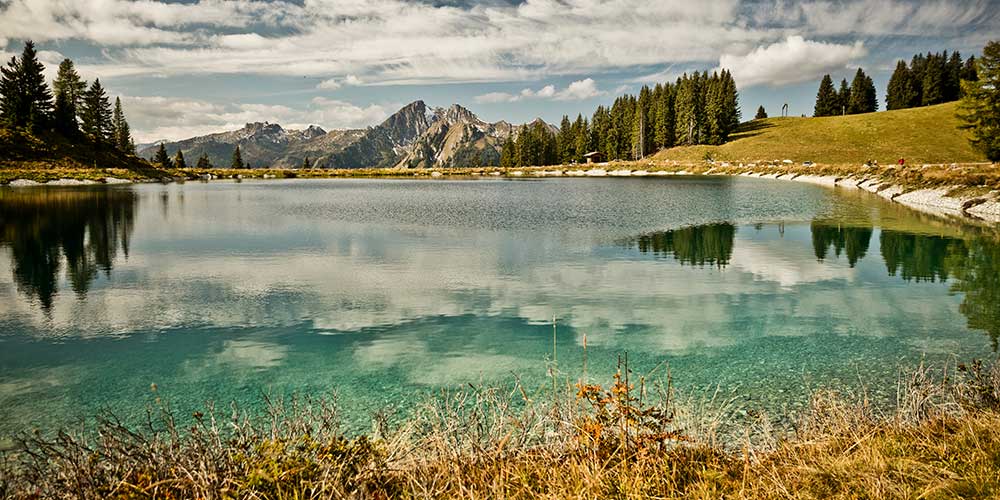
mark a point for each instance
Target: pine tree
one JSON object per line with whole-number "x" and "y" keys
{"x": 687, "y": 119}
{"x": 761, "y": 113}
{"x": 980, "y": 108}
{"x": 843, "y": 97}
{"x": 69, "y": 91}
{"x": 122, "y": 131}
{"x": 918, "y": 66}
{"x": 508, "y": 154}
{"x": 582, "y": 138}
{"x": 969, "y": 72}
{"x": 565, "y": 141}
{"x": 306, "y": 163}
{"x": 179, "y": 160}
{"x": 96, "y": 115}
{"x": 203, "y": 162}
{"x": 664, "y": 129}
{"x": 161, "y": 157}
{"x": 900, "y": 92}
{"x": 863, "y": 94}
{"x": 730, "y": 105}
{"x": 953, "y": 77}
{"x": 826, "y": 98}
{"x": 25, "y": 99}
{"x": 934, "y": 82}
{"x": 237, "y": 158}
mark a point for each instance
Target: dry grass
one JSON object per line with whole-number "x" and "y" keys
{"x": 927, "y": 134}
{"x": 942, "y": 440}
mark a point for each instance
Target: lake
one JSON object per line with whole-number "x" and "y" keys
{"x": 385, "y": 291}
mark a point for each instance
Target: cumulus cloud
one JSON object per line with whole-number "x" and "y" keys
{"x": 792, "y": 60}
{"x": 576, "y": 91}
{"x": 157, "y": 118}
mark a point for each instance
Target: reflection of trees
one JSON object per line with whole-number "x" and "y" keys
{"x": 696, "y": 245}
{"x": 853, "y": 241}
{"x": 920, "y": 257}
{"x": 85, "y": 226}
{"x": 973, "y": 266}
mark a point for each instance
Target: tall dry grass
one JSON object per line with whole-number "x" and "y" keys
{"x": 628, "y": 440}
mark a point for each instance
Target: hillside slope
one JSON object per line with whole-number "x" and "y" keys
{"x": 50, "y": 157}
{"x": 920, "y": 135}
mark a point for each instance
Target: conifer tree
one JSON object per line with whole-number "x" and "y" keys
{"x": 237, "y": 158}
{"x": 582, "y": 138}
{"x": 96, "y": 115}
{"x": 203, "y": 162}
{"x": 179, "y": 160}
{"x": 508, "y": 154}
{"x": 69, "y": 90}
{"x": 863, "y": 98}
{"x": 761, "y": 113}
{"x": 25, "y": 99}
{"x": 566, "y": 142}
{"x": 843, "y": 97}
{"x": 826, "y": 98}
{"x": 953, "y": 77}
{"x": 161, "y": 157}
{"x": 122, "y": 131}
{"x": 934, "y": 82}
{"x": 306, "y": 163}
{"x": 900, "y": 93}
{"x": 969, "y": 72}
{"x": 980, "y": 107}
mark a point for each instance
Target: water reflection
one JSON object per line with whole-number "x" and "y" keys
{"x": 972, "y": 265}
{"x": 853, "y": 241}
{"x": 44, "y": 227}
{"x": 707, "y": 244}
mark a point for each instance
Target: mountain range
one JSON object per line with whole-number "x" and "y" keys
{"x": 416, "y": 136}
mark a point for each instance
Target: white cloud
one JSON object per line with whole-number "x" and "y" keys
{"x": 399, "y": 42}
{"x": 790, "y": 61}
{"x": 331, "y": 84}
{"x": 576, "y": 91}
{"x": 156, "y": 118}
{"x": 580, "y": 90}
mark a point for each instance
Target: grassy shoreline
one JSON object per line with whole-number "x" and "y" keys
{"x": 940, "y": 440}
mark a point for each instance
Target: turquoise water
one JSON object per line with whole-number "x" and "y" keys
{"x": 385, "y": 291}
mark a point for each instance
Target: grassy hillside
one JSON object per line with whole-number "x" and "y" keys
{"x": 50, "y": 157}
{"x": 920, "y": 135}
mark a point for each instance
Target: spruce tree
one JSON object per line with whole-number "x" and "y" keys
{"x": 69, "y": 90}
{"x": 96, "y": 115}
{"x": 918, "y": 66}
{"x": 161, "y": 157}
{"x": 179, "y": 160}
{"x": 306, "y": 163}
{"x": 843, "y": 97}
{"x": 900, "y": 93}
{"x": 863, "y": 94}
{"x": 761, "y": 113}
{"x": 25, "y": 99}
{"x": 203, "y": 162}
{"x": 730, "y": 104}
{"x": 969, "y": 72}
{"x": 582, "y": 138}
{"x": 122, "y": 131}
{"x": 826, "y": 98}
{"x": 934, "y": 81}
{"x": 565, "y": 140}
{"x": 953, "y": 77}
{"x": 687, "y": 119}
{"x": 237, "y": 158}
{"x": 980, "y": 108}
{"x": 508, "y": 154}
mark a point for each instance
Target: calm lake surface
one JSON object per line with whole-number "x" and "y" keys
{"x": 385, "y": 291}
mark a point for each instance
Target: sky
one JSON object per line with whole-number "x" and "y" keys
{"x": 191, "y": 67}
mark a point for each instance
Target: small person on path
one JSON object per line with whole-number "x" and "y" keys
{"x": 901, "y": 162}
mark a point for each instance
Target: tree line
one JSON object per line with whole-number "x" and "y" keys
{"x": 75, "y": 110}
{"x": 929, "y": 79}
{"x": 700, "y": 108}
{"x": 858, "y": 97}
